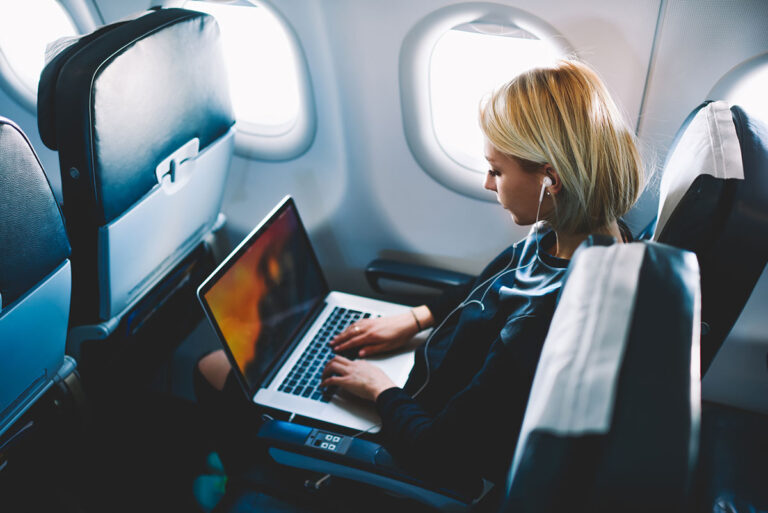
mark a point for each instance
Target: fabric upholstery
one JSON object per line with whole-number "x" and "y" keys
{"x": 612, "y": 420}
{"x": 33, "y": 241}
{"x": 706, "y": 146}
{"x": 714, "y": 202}
{"x": 35, "y": 279}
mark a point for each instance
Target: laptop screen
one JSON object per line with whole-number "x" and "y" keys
{"x": 260, "y": 296}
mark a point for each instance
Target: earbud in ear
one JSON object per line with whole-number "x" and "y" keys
{"x": 547, "y": 182}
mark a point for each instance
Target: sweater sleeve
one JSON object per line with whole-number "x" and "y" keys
{"x": 447, "y": 301}
{"x": 475, "y": 432}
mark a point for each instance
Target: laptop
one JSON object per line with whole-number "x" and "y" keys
{"x": 271, "y": 307}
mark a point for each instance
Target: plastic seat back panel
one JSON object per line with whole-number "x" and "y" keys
{"x": 33, "y": 241}
{"x": 127, "y": 270}
{"x": 32, "y": 335}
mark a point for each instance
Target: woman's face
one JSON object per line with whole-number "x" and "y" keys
{"x": 516, "y": 189}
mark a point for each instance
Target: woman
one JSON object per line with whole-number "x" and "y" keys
{"x": 558, "y": 152}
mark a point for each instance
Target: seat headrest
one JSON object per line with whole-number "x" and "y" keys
{"x": 714, "y": 202}
{"x": 706, "y": 144}
{"x": 33, "y": 241}
{"x": 46, "y": 89}
{"x": 122, "y": 99}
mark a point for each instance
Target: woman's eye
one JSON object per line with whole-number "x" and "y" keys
{"x": 493, "y": 173}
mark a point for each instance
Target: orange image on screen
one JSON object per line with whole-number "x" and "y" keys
{"x": 237, "y": 299}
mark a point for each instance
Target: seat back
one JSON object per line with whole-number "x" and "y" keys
{"x": 140, "y": 114}
{"x": 35, "y": 279}
{"x": 612, "y": 418}
{"x": 714, "y": 202}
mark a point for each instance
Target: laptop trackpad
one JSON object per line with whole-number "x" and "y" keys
{"x": 352, "y": 412}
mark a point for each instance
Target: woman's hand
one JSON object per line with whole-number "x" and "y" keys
{"x": 379, "y": 335}
{"x": 358, "y": 377}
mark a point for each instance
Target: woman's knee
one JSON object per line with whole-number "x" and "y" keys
{"x": 214, "y": 368}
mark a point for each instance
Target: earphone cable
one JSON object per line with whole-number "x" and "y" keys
{"x": 493, "y": 279}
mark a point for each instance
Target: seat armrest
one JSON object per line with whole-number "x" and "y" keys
{"x": 415, "y": 274}
{"x": 360, "y": 460}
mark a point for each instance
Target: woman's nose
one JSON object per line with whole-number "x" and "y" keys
{"x": 489, "y": 183}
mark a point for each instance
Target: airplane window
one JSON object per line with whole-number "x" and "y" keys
{"x": 268, "y": 88}
{"x": 745, "y": 85}
{"x": 468, "y": 62}
{"x": 26, "y": 27}
{"x": 751, "y": 94}
{"x": 449, "y": 61}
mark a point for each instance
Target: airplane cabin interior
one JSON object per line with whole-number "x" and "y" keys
{"x": 245, "y": 246}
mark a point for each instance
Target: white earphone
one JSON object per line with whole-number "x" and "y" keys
{"x": 544, "y": 184}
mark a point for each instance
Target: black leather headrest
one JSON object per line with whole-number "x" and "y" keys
{"x": 124, "y": 98}
{"x": 33, "y": 241}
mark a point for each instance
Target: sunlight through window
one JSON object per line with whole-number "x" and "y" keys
{"x": 467, "y": 63}
{"x": 262, "y": 67}
{"x": 26, "y": 27}
{"x": 751, "y": 94}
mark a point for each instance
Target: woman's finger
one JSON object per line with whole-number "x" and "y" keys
{"x": 358, "y": 341}
{"x": 333, "y": 368}
{"x": 373, "y": 350}
{"x": 331, "y": 381}
{"x": 341, "y": 337}
{"x": 354, "y": 330}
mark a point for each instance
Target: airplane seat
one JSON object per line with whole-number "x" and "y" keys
{"x": 36, "y": 377}
{"x": 140, "y": 114}
{"x": 714, "y": 202}
{"x": 612, "y": 420}
{"x": 714, "y": 198}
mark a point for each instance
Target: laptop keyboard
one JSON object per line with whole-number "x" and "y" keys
{"x": 304, "y": 378}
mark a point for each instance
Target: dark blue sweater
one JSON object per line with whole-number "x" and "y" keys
{"x": 465, "y": 423}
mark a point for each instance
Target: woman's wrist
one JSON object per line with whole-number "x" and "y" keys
{"x": 376, "y": 390}
{"x": 422, "y": 317}
{"x": 416, "y": 320}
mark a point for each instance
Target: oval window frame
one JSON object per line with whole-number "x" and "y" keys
{"x": 415, "y": 55}
{"x": 289, "y": 141}
{"x": 83, "y": 19}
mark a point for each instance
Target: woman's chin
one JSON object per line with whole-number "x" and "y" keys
{"x": 521, "y": 221}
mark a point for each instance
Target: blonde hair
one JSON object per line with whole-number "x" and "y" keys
{"x": 563, "y": 115}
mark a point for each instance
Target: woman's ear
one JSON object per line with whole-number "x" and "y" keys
{"x": 557, "y": 184}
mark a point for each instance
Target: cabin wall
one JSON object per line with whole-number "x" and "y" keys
{"x": 361, "y": 192}
{"x": 359, "y": 188}
{"x": 699, "y": 42}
